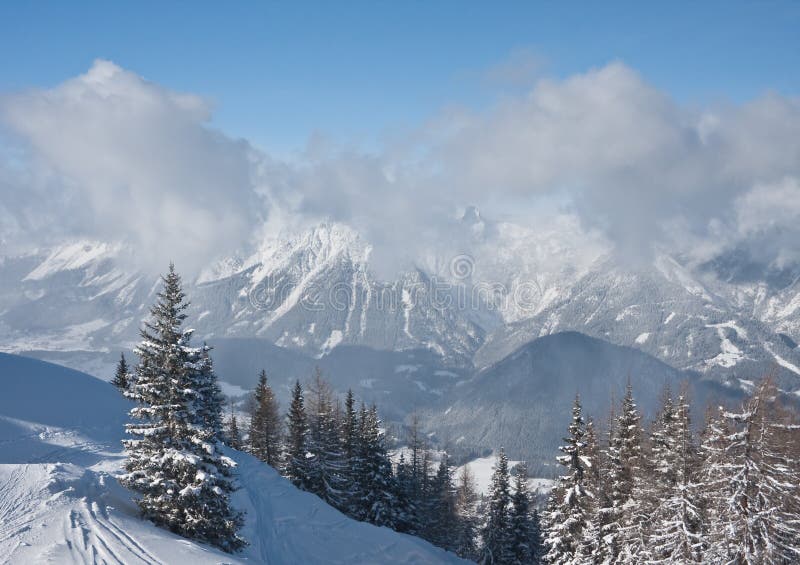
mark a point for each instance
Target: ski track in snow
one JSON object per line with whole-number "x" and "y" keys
{"x": 60, "y": 501}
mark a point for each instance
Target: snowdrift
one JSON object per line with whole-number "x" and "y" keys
{"x": 60, "y": 503}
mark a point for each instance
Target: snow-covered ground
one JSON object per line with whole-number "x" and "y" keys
{"x": 60, "y": 501}
{"x": 483, "y": 468}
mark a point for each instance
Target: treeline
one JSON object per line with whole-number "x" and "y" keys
{"x": 183, "y": 481}
{"x": 729, "y": 495}
{"x": 338, "y": 452}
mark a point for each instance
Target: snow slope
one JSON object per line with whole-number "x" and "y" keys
{"x": 60, "y": 502}
{"x": 483, "y": 468}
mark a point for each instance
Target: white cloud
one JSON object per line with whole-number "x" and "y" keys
{"x": 136, "y": 162}
{"x": 768, "y": 206}
{"x": 133, "y": 160}
{"x": 630, "y": 158}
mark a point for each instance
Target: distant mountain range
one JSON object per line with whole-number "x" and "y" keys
{"x": 440, "y": 335}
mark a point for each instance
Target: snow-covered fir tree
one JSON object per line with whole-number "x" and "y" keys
{"x": 424, "y": 503}
{"x": 538, "y": 549}
{"x": 209, "y": 399}
{"x": 676, "y": 520}
{"x": 572, "y": 502}
{"x": 625, "y": 531}
{"x": 352, "y": 471}
{"x": 594, "y": 547}
{"x": 376, "y": 489}
{"x": 350, "y": 429}
{"x": 521, "y": 520}
{"x": 326, "y": 464}
{"x": 174, "y": 464}
{"x": 406, "y": 509}
{"x": 296, "y": 467}
{"x": 233, "y": 437}
{"x": 411, "y": 482}
{"x": 265, "y": 424}
{"x": 467, "y": 528}
{"x": 751, "y": 473}
{"x": 497, "y": 530}
{"x": 444, "y": 516}
{"x": 122, "y": 376}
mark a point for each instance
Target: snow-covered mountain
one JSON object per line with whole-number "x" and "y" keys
{"x": 498, "y": 286}
{"x": 523, "y": 401}
{"x": 60, "y": 502}
{"x": 666, "y": 311}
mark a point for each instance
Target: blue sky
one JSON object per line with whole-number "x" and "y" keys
{"x": 354, "y": 70}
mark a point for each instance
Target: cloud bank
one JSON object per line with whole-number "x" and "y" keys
{"x": 112, "y": 156}
{"x": 115, "y": 156}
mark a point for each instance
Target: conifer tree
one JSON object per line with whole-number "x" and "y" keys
{"x": 406, "y": 510}
{"x": 424, "y": 502}
{"x": 538, "y": 549}
{"x": 122, "y": 376}
{"x": 233, "y": 435}
{"x": 209, "y": 399}
{"x": 265, "y": 424}
{"x": 594, "y": 547}
{"x": 377, "y": 502}
{"x": 521, "y": 525}
{"x": 296, "y": 466}
{"x": 350, "y": 427}
{"x": 625, "y": 532}
{"x": 444, "y": 517}
{"x": 412, "y": 483}
{"x": 326, "y": 464}
{"x": 418, "y": 449}
{"x": 676, "y": 535}
{"x": 174, "y": 463}
{"x": 467, "y": 530}
{"x": 497, "y": 530}
{"x": 352, "y": 471}
{"x": 571, "y": 505}
{"x": 752, "y": 475}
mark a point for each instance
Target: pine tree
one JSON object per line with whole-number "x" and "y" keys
{"x": 593, "y": 547}
{"x": 326, "y": 464}
{"x": 350, "y": 427}
{"x": 626, "y": 529}
{"x": 412, "y": 481}
{"x": 497, "y": 531}
{"x": 538, "y": 549}
{"x": 444, "y": 517}
{"x": 296, "y": 465}
{"x": 466, "y": 500}
{"x": 233, "y": 435}
{"x": 571, "y": 505}
{"x": 752, "y": 475}
{"x": 406, "y": 510}
{"x": 676, "y": 535}
{"x": 122, "y": 376}
{"x": 714, "y": 476}
{"x": 353, "y": 467}
{"x": 521, "y": 525}
{"x": 209, "y": 399}
{"x": 265, "y": 424}
{"x": 175, "y": 464}
{"x": 424, "y": 501}
{"x": 376, "y": 493}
